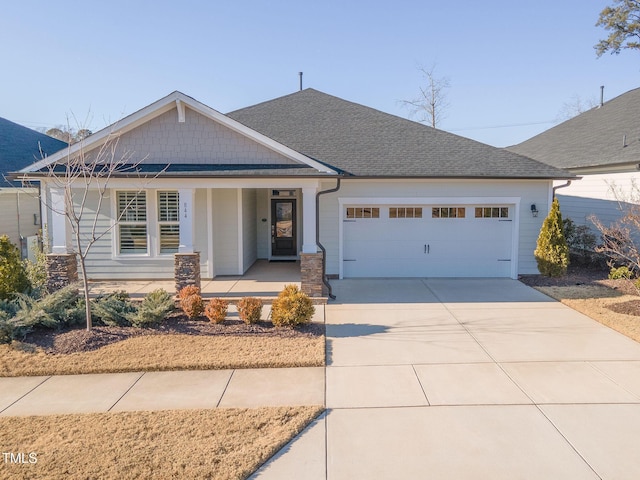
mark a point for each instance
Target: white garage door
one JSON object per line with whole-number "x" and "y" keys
{"x": 427, "y": 240}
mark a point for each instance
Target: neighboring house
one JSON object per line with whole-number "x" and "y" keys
{"x": 20, "y": 207}
{"x": 601, "y": 145}
{"x": 413, "y": 201}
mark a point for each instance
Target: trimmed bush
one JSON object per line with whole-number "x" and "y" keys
{"x": 13, "y": 278}
{"x": 191, "y": 301}
{"x": 552, "y": 253}
{"x": 292, "y": 307}
{"x": 216, "y": 310}
{"x": 620, "y": 272}
{"x": 56, "y": 310}
{"x": 154, "y": 308}
{"x": 250, "y": 309}
{"x": 188, "y": 291}
{"x": 114, "y": 309}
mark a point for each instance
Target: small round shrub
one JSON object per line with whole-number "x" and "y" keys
{"x": 192, "y": 306}
{"x": 292, "y": 307}
{"x": 216, "y": 310}
{"x": 114, "y": 309}
{"x": 250, "y": 309}
{"x": 620, "y": 272}
{"x": 191, "y": 301}
{"x": 154, "y": 308}
{"x": 188, "y": 291}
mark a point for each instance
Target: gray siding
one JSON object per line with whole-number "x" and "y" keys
{"x": 262, "y": 228}
{"x": 198, "y": 140}
{"x": 249, "y": 228}
{"x": 225, "y": 231}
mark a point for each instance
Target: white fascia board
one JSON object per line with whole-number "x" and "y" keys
{"x": 172, "y": 183}
{"x": 175, "y": 100}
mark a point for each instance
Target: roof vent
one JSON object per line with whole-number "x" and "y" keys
{"x": 624, "y": 141}
{"x": 601, "y": 95}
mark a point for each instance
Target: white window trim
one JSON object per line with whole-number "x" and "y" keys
{"x": 115, "y": 237}
{"x": 159, "y": 223}
{"x": 153, "y": 226}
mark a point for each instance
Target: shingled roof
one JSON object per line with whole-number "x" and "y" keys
{"x": 365, "y": 142}
{"x": 20, "y": 146}
{"x": 606, "y": 135}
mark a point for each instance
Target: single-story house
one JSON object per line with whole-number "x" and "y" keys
{"x": 601, "y": 145}
{"x": 384, "y": 196}
{"x": 20, "y": 207}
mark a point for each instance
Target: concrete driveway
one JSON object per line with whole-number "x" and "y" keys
{"x": 468, "y": 379}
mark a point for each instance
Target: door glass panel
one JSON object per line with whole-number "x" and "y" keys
{"x": 284, "y": 220}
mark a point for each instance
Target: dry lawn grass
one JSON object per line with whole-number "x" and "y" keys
{"x": 167, "y": 352}
{"x": 595, "y": 301}
{"x": 203, "y": 444}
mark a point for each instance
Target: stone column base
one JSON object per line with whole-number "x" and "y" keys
{"x": 186, "y": 270}
{"x": 62, "y": 270}
{"x": 311, "y": 274}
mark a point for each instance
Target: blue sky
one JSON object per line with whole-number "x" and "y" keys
{"x": 511, "y": 65}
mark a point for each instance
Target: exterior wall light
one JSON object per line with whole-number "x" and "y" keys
{"x": 534, "y": 210}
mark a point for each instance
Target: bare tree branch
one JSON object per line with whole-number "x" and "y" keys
{"x": 81, "y": 174}
{"x": 430, "y": 105}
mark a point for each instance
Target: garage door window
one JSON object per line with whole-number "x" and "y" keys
{"x": 405, "y": 212}
{"x": 447, "y": 212}
{"x": 363, "y": 212}
{"x": 492, "y": 212}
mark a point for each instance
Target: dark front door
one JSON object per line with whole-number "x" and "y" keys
{"x": 283, "y": 227}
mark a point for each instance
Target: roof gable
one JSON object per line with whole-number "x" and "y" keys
{"x": 181, "y": 107}
{"x": 365, "y": 142}
{"x": 605, "y": 135}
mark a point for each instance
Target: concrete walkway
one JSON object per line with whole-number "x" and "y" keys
{"x": 468, "y": 379}
{"x": 120, "y": 392}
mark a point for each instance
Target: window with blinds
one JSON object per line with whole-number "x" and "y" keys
{"x": 168, "y": 221}
{"x": 132, "y": 229}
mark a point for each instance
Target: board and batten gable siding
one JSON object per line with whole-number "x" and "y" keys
{"x": 595, "y": 195}
{"x": 249, "y": 230}
{"x": 225, "y": 231}
{"x": 529, "y": 192}
{"x": 29, "y": 205}
{"x": 199, "y": 140}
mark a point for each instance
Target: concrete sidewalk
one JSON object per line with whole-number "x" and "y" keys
{"x": 119, "y": 392}
{"x": 468, "y": 379}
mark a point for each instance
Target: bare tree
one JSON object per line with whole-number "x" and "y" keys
{"x": 79, "y": 175}
{"x": 430, "y": 105}
{"x": 620, "y": 239}
{"x": 574, "y": 107}
{"x": 68, "y": 134}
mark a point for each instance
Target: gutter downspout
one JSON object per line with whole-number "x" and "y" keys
{"x": 558, "y": 187}
{"x": 325, "y": 281}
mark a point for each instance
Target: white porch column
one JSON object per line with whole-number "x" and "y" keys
{"x": 58, "y": 225}
{"x": 309, "y": 220}
{"x": 187, "y": 225}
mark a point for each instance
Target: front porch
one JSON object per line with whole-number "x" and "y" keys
{"x": 264, "y": 280}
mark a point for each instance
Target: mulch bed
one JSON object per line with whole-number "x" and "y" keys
{"x": 78, "y": 339}
{"x": 580, "y": 275}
